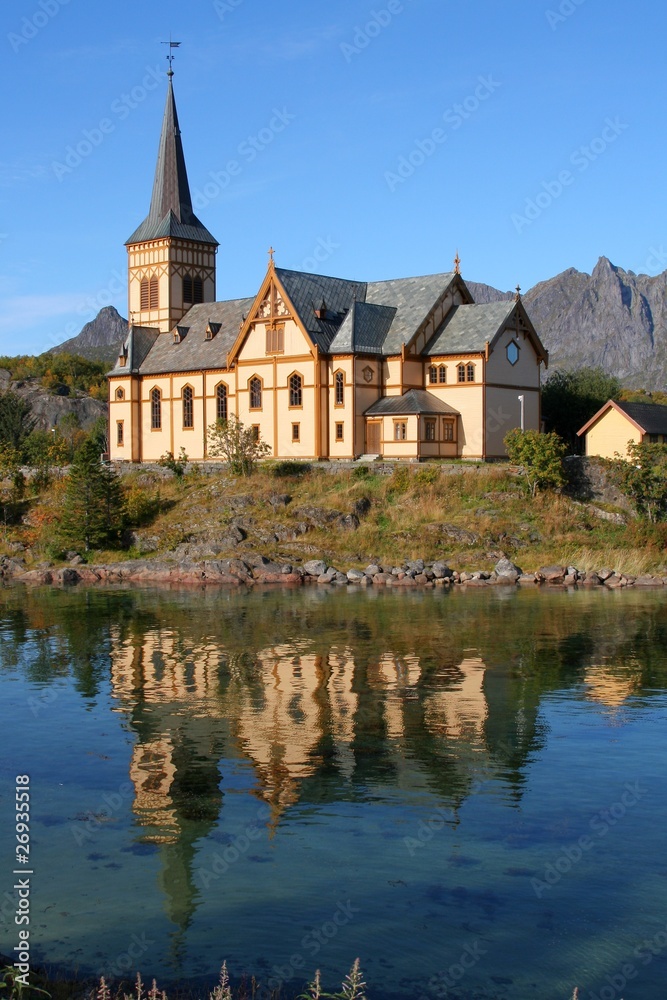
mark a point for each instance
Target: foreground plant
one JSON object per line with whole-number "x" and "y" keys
{"x": 12, "y": 982}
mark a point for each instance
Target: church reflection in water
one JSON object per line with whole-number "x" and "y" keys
{"x": 314, "y": 722}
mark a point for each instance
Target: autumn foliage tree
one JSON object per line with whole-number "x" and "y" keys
{"x": 238, "y": 445}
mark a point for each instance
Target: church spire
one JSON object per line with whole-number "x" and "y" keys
{"x": 171, "y": 211}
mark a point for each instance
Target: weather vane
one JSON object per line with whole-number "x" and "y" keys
{"x": 170, "y": 57}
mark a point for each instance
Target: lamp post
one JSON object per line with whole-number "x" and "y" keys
{"x": 521, "y": 402}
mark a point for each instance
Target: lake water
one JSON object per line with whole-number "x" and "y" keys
{"x": 467, "y": 791}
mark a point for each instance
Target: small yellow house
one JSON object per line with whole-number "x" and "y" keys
{"x": 615, "y": 424}
{"x": 320, "y": 367}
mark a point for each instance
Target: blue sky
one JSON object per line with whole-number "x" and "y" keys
{"x": 366, "y": 140}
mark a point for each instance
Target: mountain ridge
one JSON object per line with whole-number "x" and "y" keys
{"x": 611, "y": 318}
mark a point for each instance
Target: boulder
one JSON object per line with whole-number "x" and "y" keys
{"x": 649, "y": 581}
{"x": 415, "y": 566}
{"x": 441, "y": 570}
{"x": 280, "y": 499}
{"x": 506, "y": 568}
{"x": 355, "y": 575}
{"x": 552, "y": 574}
{"x": 348, "y": 522}
{"x": 373, "y": 569}
{"x": 361, "y": 506}
{"x": 315, "y": 567}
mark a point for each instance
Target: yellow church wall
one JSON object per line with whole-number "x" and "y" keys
{"x": 336, "y": 413}
{"x": 468, "y": 400}
{"x": 610, "y": 434}
{"x": 121, "y": 410}
{"x": 365, "y": 392}
{"x": 413, "y": 375}
{"x": 406, "y": 448}
{"x": 392, "y": 373}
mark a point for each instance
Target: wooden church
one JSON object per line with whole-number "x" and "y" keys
{"x": 319, "y": 367}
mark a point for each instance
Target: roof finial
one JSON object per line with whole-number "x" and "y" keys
{"x": 517, "y": 297}
{"x": 170, "y": 57}
{"x": 271, "y": 253}
{"x": 457, "y": 264}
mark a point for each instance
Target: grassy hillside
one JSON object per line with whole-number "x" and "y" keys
{"x": 467, "y": 516}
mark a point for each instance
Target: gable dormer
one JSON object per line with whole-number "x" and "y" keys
{"x": 212, "y": 330}
{"x": 180, "y": 333}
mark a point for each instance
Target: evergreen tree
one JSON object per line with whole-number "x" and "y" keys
{"x": 93, "y": 505}
{"x": 15, "y": 420}
{"x": 570, "y": 398}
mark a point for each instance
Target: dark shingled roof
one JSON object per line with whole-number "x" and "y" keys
{"x": 171, "y": 211}
{"x": 394, "y": 309}
{"x": 651, "y": 417}
{"x": 307, "y": 293}
{"x": 413, "y": 401}
{"x": 413, "y": 299}
{"x": 364, "y": 330}
{"x": 195, "y": 352}
{"x": 468, "y": 328}
{"x": 137, "y": 346}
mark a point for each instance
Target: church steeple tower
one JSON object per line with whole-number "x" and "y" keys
{"x": 171, "y": 256}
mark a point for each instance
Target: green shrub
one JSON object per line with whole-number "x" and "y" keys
{"x": 287, "y": 468}
{"x": 428, "y": 475}
{"x": 399, "y": 481}
{"x": 142, "y": 505}
{"x": 176, "y": 465}
{"x": 360, "y": 472}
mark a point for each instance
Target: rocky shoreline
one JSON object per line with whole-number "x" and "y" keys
{"x": 257, "y": 570}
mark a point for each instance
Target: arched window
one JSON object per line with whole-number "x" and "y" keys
{"x": 470, "y": 373}
{"x": 340, "y": 389}
{"x": 433, "y": 375}
{"x": 461, "y": 373}
{"x": 255, "y": 386}
{"x": 120, "y": 393}
{"x": 156, "y": 410}
{"x": 442, "y": 375}
{"x": 188, "y": 408}
{"x": 221, "y": 402}
{"x": 295, "y": 390}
